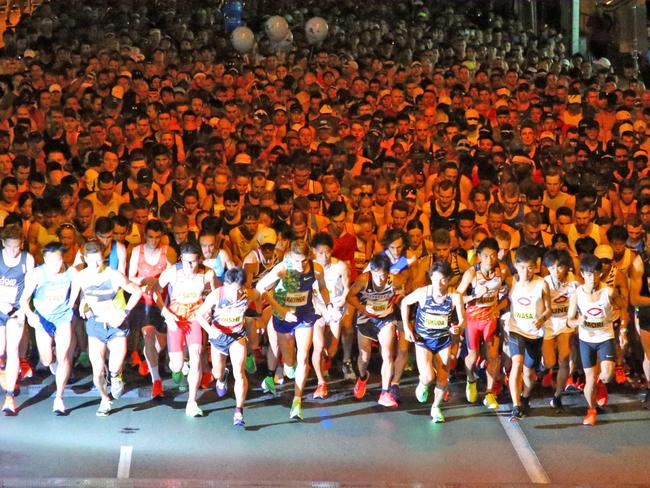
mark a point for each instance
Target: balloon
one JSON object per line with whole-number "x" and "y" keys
{"x": 242, "y": 39}
{"x": 276, "y": 28}
{"x": 284, "y": 44}
{"x": 316, "y": 30}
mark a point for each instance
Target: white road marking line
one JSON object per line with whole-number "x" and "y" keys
{"x": 124, "y": 464}
{"x": 526, "y": 455}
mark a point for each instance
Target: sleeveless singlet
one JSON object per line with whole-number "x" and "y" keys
{"x": 525, "y": 308}
{"x": 12, "y": 280}
{"x": 432, "y": 320}
{"x": 146, "y": 270}
{"x": 186, "y": 293}
{"x": 598, "y": 325}
{"x": 480, "y": 308}
{"x": 295, "y": 290}
{"x": 380, "y": 301}
{"x": 102, "y": 299}
{"x": 560, "y": 304}
{"x": 228, "y": 316}
{"x": 51, "y": 297}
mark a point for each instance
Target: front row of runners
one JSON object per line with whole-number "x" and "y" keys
{"x": 306, "y": 297}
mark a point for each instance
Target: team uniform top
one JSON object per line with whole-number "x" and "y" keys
{"x": 598, "y": 325}
{"x": 103, "y": 299}
{"x": 527, "y": 305}
{"x": 51, "y": 297}
{"x": 295, "y": 290}
{"x": 228, "y": 315}
{"x": 557, "y": 323}
{"x": 146, "y": 270}
{"x": 432, "y": 320}
{"x": 481, "y": 307}
{"x": 12, "y": 281}
{"x": 380, "y": 302}
{"x": 186, "y": 293}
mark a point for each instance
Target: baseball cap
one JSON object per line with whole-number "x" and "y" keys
{"x": 243, "y": 158}
{"x": 55, "y": 87}
{"x": 267, "y": 236}
{"x": 117, "y": 92}
{"x": 604, "y": 251}
{"x": 623, "y": 115}
{"x": 640, "y": 154}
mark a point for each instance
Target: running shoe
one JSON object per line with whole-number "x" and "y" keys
{"x": 83, "y": 360}
{"x": 296, "y": 409}
{"x": 360, "y": 387}
{"x": 9, "y": 406}
{"x": 387, "y": 400}
{"x": 250, "y": 366}
{"x": 157, "y": 390}
{"x": 517, "y": 413}
{"x": 422, "y": 392}
{"x": 445, "y": 397}
{"x": 117, "y": 386}
{"x": 143, "y": 368}
{"x": 580, "y": 383}
{"x": 26, "y": 370}
{"x": 238, "y": 420}
{"x": 620, "y": 376}
{"x": 590, "y": 418}
{"x": 321, "y": 391}
{"x": 222, "y": 385}
{"x": 547, "y": 379}
{"x": 135, "y": 359}
{"x": 105, "y": 407}
{"x": 470, "y": 392}
{"x": 192, "y": 409}
{"x": 290, "y": 371}
{"x": 601, "y": 394}
{"x": 177, "y": 377}
{"x": 556, "y": 403}
{"x": 58, "y": 408}
{"x": 268, "y": 385}
{"x": 490, "y": 401}
{"x": 570, "y": 385}
{"x": 279, "y": 375}
{"x": 184, "y": 385}
{"x": 394, "y": 390}
{"x": 436, "y": 415}
{"x": 348, "y": 371}
{"x": 206, "y": 380}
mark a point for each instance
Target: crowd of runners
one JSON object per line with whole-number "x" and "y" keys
{"x": 456, "y": 195}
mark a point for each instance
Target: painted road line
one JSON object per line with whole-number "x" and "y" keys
{"x": 124, "y": 464}
{"x": 526, "y": 455}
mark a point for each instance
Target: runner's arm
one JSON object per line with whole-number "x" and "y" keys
{"x": 352, "y": 298}
{"x": 636, "y": 277}
{"x": 416, "y": 296}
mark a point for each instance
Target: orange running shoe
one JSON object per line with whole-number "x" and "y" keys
{"x": 601, "y": 394}
{"x": 620, "y": 376}
{"x": 547, "y": 379}
{"x": 206, "y": 380}
{"x": 360, "y": 387}
{"x": 135, "y": 359}
{"x": 321, "y": 391}
{"x": 157, "y": 390}
{"x": 26, "y": 370}
{"x": 590, "y": 418}
{"x": 143, "y": 368}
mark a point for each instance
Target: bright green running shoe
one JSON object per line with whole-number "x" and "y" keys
{"x": 177, "y": 376}
{"x": 296, "y": 409}
{"x": 83, "y": 360}
{"x": 251, "y": 365}
{"x": 422, "y": 393}
{"x": 268, "y": 385}
{"x": 436, "y": 415}
{"x": 470, "y": 392}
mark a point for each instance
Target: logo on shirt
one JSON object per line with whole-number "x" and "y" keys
{"x": 595, "y": 312}
{"x": 524, "y": 301}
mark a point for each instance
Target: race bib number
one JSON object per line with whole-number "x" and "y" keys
{"x": 8, "y": 293}
{"x": 432, "y": 321}
{"x": 231, "y": 318}
{"x": 360, "y": 259}
{"x": 296, "y": 299}
{"x": 380, "y": 307}
{"x": 594, "y": 324}
{"x": 101, "y": 308}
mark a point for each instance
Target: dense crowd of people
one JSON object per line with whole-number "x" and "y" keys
{"x": 427, "y": 182}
